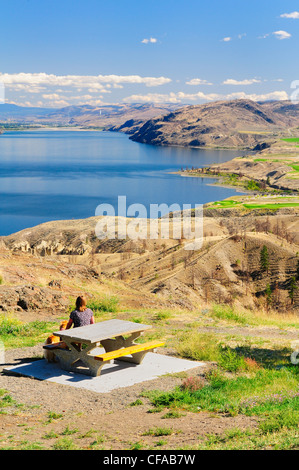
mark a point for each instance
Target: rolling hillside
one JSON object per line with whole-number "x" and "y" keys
{"x": 240, "y": 124}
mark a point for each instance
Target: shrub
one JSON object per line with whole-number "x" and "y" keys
{"x": 229, "y": 360}
{"x": 193, "y": 383}
{"x": 105, "y": 304}
{"x": 251, "y": 364}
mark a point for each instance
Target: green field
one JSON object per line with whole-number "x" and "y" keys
{"x": 271, "y": 206}
{"x": 226, "y": 204}
{"x": 291, "y": 139}
{"x": 294, "y": 140}
{"x": 279, "y": 203}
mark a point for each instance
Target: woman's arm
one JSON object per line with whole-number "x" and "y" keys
{"x": 92, "y": 320}
{"x": 70, "y": 322}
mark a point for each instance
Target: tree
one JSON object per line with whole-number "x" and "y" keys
{"x": 268, "y": 293}
{"x": 264, "y": 259}
{"x": 292, "y": 288}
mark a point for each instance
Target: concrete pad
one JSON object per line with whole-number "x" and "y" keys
{"x": 117, "y": 375}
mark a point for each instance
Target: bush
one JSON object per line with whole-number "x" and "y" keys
{"x": 230, "y": 361}
{"x": 106, "y": 304}
{"x": 192, "y": 384}
{"x": 253, "y": 186}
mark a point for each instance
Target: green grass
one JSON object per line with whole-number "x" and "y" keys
{"x": 14, "y": 333}
{"x": 104, "y": 304}
{"x": 234, "y": 395}
{"x": 64, "y": 443}
{"x": 279, "y": 202}
{"x": 225, "y": 312}
{"x": 237, "y": 439}
{"x": 273, "y": 206}
{"x": 6, "y": 401}
{"x": 157, "y": 432}
{"x": 227, "y": 203}
{"x": 52, "y": 415}
{"x": 238, "y": 357}
{"x": 69, "y": 432}
{"x": 291, "y": 139}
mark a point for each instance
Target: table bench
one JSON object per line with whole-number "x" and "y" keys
{"x": 117, "y": 337}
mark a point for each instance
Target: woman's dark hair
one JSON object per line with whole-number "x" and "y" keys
{"x": 81, "y": 303}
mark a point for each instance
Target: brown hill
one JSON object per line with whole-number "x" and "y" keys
{"x": 161, "y": 272}
{"x": 225, "y": 124}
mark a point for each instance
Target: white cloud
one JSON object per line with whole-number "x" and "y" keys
{"x": 181, "y": 97}
{"x": 231, "y": 81}
{"x": 96, "y": 82}
{"x": 274, "y": 95}
{"x": 150, "y": 40}
{"x": 152, "y": 98}
{"x": 51, "y": 96}
{"x": 62, "y": 90}
{"x": 54, "y": 100}
{"x": 170, "y": 97}
{"x": 198, "y": 81}
{"x": 59, "y": 104}
{"x": 282, "y": 35}
{"x": 227, "y": 39}
{"x": 294, "y": 15}
{"x": 278, "y": 34}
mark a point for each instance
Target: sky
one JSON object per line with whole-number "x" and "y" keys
{"x": 73, "y": 52}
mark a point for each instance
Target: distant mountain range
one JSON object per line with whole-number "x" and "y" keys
{"x": 85, "y": 116}
{"x": 243, "y": 124}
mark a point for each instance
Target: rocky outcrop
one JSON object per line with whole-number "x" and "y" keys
{"x": 28, "y": 298}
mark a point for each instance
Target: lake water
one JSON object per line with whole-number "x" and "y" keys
{"x": 55, "y": 175}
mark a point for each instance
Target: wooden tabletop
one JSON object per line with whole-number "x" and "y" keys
{"x": 102, "y": 330}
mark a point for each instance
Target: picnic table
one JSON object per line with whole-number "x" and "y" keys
{"x": 76, "y": 351}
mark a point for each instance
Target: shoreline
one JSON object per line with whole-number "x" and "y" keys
{"x": 218, "y": 183}
{"x": 41, "y": 128}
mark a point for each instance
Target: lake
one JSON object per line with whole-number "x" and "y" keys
{"x": 53, "y": 175}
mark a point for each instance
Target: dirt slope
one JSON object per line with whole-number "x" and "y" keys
{"x": 162, "y": 272}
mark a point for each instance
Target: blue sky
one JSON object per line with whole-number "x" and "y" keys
{"x": 58, "y": 53}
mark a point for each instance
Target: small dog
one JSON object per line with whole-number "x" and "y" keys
{"x": 52, "y": 339}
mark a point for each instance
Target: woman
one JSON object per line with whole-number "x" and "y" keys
{"x": 82, "y": 315}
